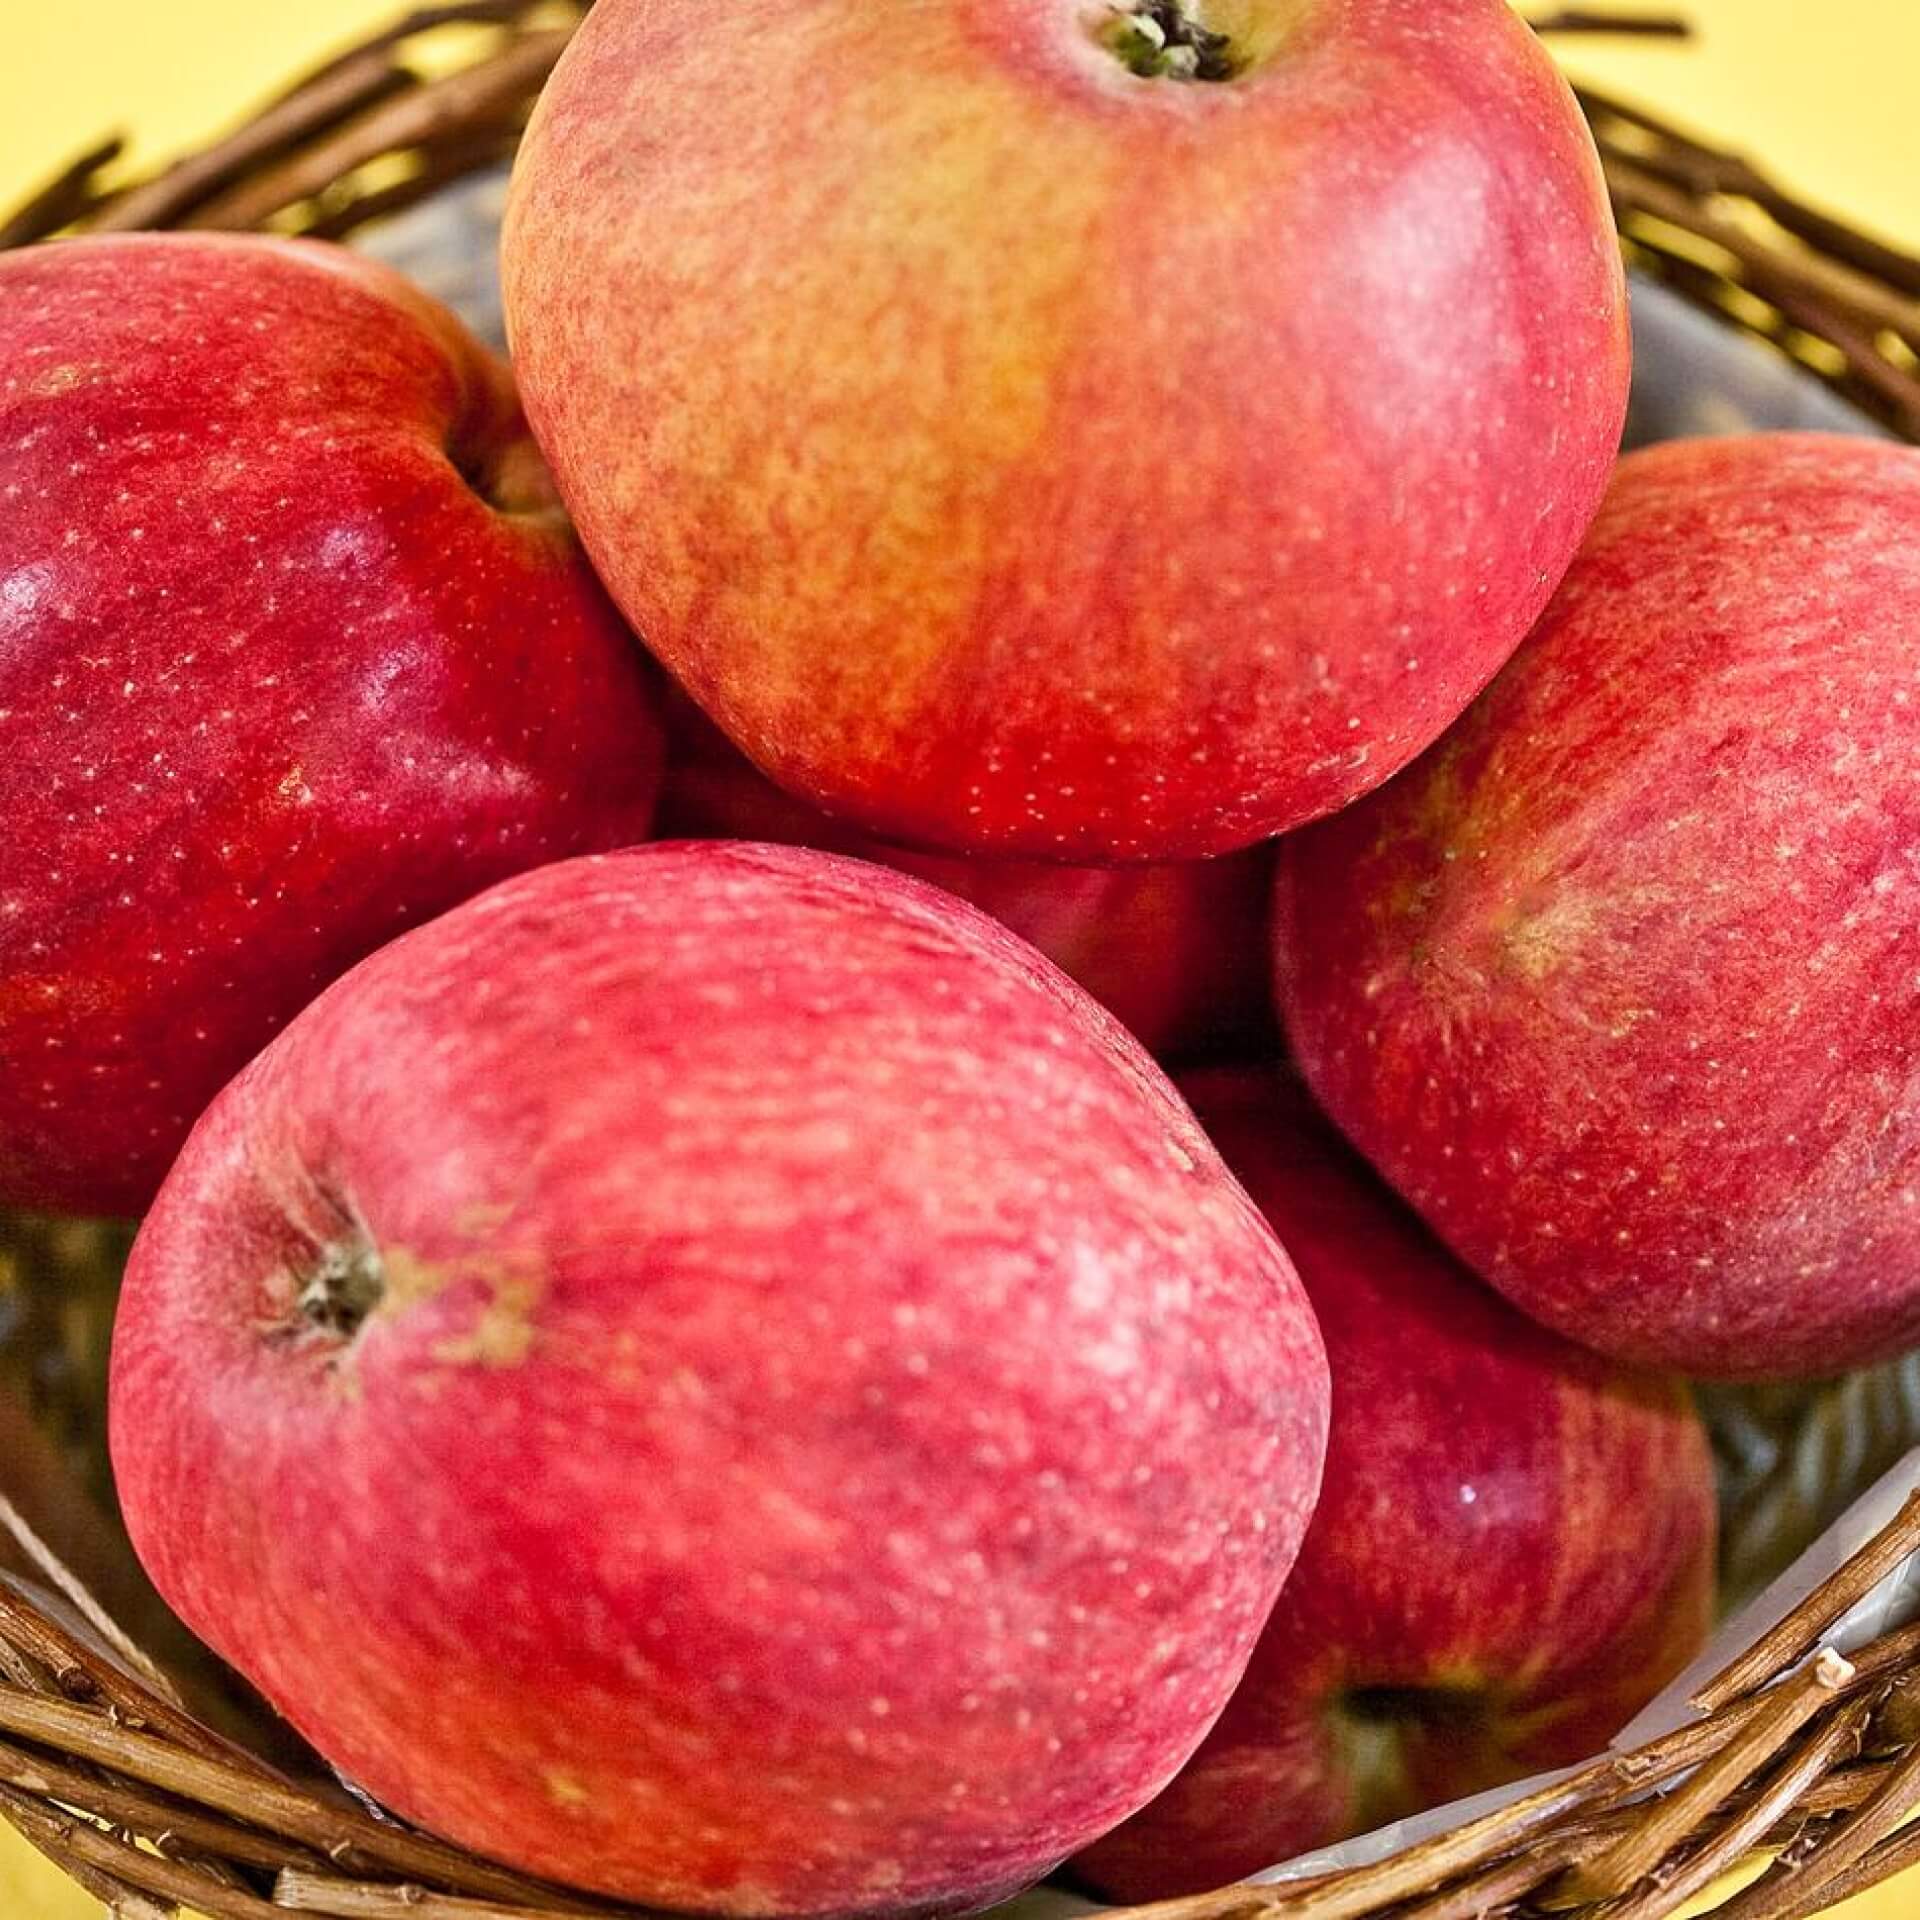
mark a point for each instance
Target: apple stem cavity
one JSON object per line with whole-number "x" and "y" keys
{"x": 512, "y": 479}
{"x": 1165, "y": 39}
{"x": 1372, "y": 1728}
{"x": 1421, "y": 1706}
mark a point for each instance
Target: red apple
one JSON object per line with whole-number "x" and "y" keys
{"x": 1620, "y": 986}
{"x": 717, "y": 1375}
{"x": 1019, "y": 452}
{"x": 295, "y": 649}
{"x": 1512, "y": 1553}
{"x": 1178, "y": 953}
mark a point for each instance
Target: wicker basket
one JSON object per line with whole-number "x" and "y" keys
{"x": 140, "y": 1768}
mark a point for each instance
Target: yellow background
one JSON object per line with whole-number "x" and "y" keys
{"x": 1822, "y": 90}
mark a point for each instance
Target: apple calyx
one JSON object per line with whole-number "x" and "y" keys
{"x": 343, "y": 1288}
{"x": 1166, "y": 39}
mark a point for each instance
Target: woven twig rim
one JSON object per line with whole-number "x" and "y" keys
{"x": 1801, "y": 1761}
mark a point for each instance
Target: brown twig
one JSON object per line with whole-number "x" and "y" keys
{"x": 1703, "y": 170}
{"x": 159, "y": 1816}
{"x": 438, "y": 166}
{"x": 350, "y": 1900}
{"x": 122, "y": 1901}
{"x": 323, "y": 127}
{"x": 45, "y": 1662}
{"x": 490, "y": 95}
{"x": 1844, "y": 1788}
{"x": 1644, "y": 26}
{"x": 81, "y": 1676}
{"x": 1889, "y": 1859}
{"x": 69, "y": 1840}
{"x": 1788, "y": 1708}
{"x": 1853, "y": 295}
{"x": 16, "y": 1670}
{"x": 410, "y": 26}
{"x": 1799, "y": 1632}
{"x": 251, "y": 1794}
{"x": 54, "y": 1518}
{"x": 1848, "y": 1847}
{"x": 1741, "y": 1835}
{"x": 164, "y": 201}
{"x": 1897, "y": 1724}
{"x": 69, "y": 195}
{"x": 1716, "y": 229}
{"x": 1503, "y": 1885}
{"x": 1406, "y": 1876}
{"x": 1875, "y": 383}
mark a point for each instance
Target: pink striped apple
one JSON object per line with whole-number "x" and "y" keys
{"x": 1512, "y": 1554}
{"x": 1620, "y": 986}
{"x": 717, "y": 1375}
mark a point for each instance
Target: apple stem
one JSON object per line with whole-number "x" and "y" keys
{"x": 1162, "y": 39}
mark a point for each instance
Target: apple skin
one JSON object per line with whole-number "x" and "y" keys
{"x": 1018, "y": 456}
{"x": 277, "y": 678}
{"x": 1513, "y": 1550}
{"x": 833, "y": 1429}
{"x": 1177, "y": 953}
{"x": 1618, "y": 985}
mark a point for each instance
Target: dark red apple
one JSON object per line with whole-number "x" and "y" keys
{"x": 295, "y": 649}
{"x": 718, "y": 1375}
{"x": 1512, "y": 1553}
{"x": 1621, "y": 985}
{"x": 1178, "y": 952}
{"x": 1080, "y": 430}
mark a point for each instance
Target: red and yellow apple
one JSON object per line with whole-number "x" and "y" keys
{"x": 1512, "y": 1553}
{"x": 1621, "y": 985}
{"x": 716, "y": 1374}
{"x": 1177, "y": 952}
{"x": 296, "y": 648}
{"x": 1055, "y": 428}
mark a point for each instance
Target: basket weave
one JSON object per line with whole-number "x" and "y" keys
{"x": 1797, "y": 1758}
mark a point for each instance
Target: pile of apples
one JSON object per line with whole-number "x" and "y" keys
{"x": 630, "y": 955}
